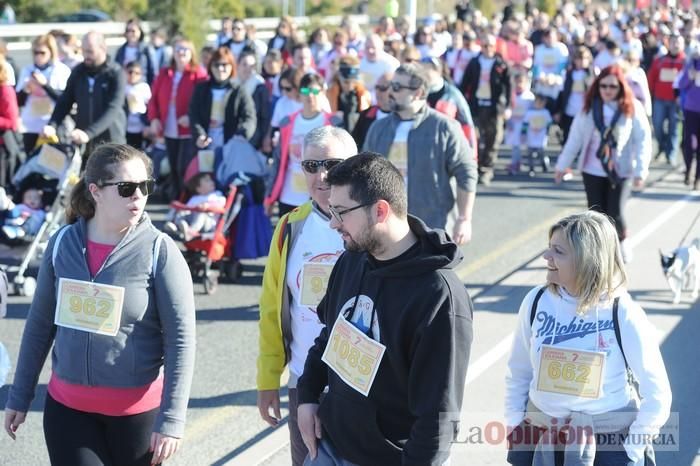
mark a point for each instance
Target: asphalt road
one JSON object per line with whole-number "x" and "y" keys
{"x": 501, "y": 264}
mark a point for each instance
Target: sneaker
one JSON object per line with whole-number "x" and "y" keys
{"x": 545, "y": 164}
{"x": 183, "y": 228}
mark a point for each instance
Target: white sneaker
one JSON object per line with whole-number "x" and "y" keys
{"x": 626, "y": 250}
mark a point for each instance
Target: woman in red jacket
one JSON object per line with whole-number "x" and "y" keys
{"x": 167, "y": 110}
{"x": 9, "y": 115}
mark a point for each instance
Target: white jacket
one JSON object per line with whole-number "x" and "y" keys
{"x": 556, "y": 315}
{"x": 633, "y": 137}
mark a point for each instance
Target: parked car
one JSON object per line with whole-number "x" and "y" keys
{"x": 82, "y": 16}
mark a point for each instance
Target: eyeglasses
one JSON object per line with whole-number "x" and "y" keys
{"x": 338, "y": 214}
{"x": 287, "y": 88}
{"x": 397, "y": 86}
{"x": 312, "y": 166}
{"x": 40, "y": 52}
{"x": 381, "y": 88}
{"x": 310, "y": 90}
{"x": 182, "y": 49}
{"x": 128, "y": 188}
{"x": 608, "y": 86}
{"x": 220, "y": 64}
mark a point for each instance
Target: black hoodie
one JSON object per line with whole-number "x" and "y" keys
{"x": 424, "y": 318}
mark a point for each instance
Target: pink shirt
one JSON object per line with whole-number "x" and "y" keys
{"x": 105, "y": 400}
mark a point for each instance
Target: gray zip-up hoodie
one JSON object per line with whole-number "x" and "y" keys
{"x": 157, "y": 323}
{"x": 437, "y": 152}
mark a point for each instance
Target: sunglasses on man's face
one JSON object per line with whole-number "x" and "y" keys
{"x": 312, "y": 166}
{"x": 380, "y": 88}
{"x": 128, "y": 188}
{"x": 397, "y": 86}
{"x": 310, "y": 90}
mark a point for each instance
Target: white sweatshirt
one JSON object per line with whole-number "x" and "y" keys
{"x": 573, "y": 332}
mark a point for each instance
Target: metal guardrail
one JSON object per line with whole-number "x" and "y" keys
{"x": 19, "y": 36}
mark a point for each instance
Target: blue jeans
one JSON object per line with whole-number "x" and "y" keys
{"x": 327, "y": 456}
{"x": 669, "y": 140}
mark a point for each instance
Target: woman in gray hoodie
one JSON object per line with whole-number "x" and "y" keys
{"x": 121, "y": 320}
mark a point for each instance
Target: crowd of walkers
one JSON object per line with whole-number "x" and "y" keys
{"x": 429, "y": 113}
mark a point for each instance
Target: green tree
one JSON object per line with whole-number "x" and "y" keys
{"x": 232, "y": 8}
{"x": 548, "y": 6}
{"x": 487, "y": 7}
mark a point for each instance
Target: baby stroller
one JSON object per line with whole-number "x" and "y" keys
{"x": 208, "y": 248}
{"x": 54, "y": 169}
{"x": 232, "y": 238}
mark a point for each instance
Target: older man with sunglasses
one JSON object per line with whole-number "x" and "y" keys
{"x": 303, "y": 251}
{"x": 431, "y": 152}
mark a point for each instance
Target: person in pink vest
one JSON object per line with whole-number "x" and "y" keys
{"x": 169, "y": 105}
{"x": 289, "y": 188}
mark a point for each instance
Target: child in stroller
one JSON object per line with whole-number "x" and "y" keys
{"x": 189, "y": 224}
{"x": 22, "y": 220}
{"x": 43, "y": 180}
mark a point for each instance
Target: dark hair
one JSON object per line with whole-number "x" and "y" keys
{"x": 625, "y": 96}
{"x": 99, "y": 169}
{"x": 136, "y": 22}
{"x": 133, "y": 65}
{"x": 193, "y": 183}
{"x": 371, "y": 177}
{"x": 292, "y": 76}
{"x": 312, "y": 78}
{"x": 274, "y": 54}
{"x": 299, "y": 46}
{"x": 224, "y": 54}
{"x": 417, "y": 75}
{"x": 247, "y": 52}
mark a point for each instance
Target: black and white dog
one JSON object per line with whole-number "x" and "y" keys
{"x": 681, "y": 269}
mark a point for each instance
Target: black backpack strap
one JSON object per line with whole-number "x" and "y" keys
{"x": 616, "y": 324}
{"x": 533, "y": 309}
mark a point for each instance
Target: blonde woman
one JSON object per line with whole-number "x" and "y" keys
{"x": 39, "y": 86}
{"x": 577, "y": 340}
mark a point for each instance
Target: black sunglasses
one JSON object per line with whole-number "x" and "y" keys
{"x": 312, "y": 166}
{"x": 381, "y": 88}
{"x": 287, "y": 88}
{"x": 397, "y": 86}
{"x": 128, "y": 188}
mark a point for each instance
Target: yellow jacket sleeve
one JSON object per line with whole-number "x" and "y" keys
{"x": 271, "y": 358}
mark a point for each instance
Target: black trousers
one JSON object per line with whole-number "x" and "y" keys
{"x": 77, "y": 438}
{"x": 489, "y": 122}
{"x": 29, "y": 140}
{"x": 180, "y": 153}
{"x": 135, "y": 140}
{"x": 603, "y": 197}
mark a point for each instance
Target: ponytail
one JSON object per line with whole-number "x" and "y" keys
{"x": 81, "y": 203}
{"x": 100, "y": 167}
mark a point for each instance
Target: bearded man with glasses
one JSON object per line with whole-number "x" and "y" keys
{"x": 431, "y": 151}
